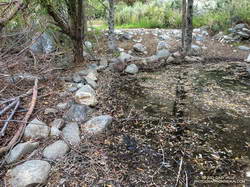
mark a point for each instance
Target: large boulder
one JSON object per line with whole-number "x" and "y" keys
{"x": 21, "y": 150}
{"x": 30, "y": 173}
{"x": 76, "y": 113}
{"x": 36, "y": 129}
{"x": 86, "y": 96}
{"x": 56, "y": 150}
{"x": 97, "y": 124}
{"x": 43, "y": 44}
{"x": 71, "y": 133}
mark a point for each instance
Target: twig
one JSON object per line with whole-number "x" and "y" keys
{"x": 20, "y": 131}
{"x": 179, "y": 173}
{"x": 9, "y": 118}
{"x": 8, "y": 107}
{"x": 186, "y": 185}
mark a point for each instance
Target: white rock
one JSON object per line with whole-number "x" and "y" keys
{"x": 88, "y": 44}
{"x": 36, "y": 129}
{"x": 132, "y": 69}
{"x": 71, "y": 133}
{"x": 248, "y": 58}
{"x": 62, "y": 106}
{"x": 50, "y": 111}
{"x": 56, "y": 150}
{"x": 30, "y": 173}
{"x": 86, "y": 95}
{"x": 21, "y": 150}
{"x": 97, "y": 124}
{"x": 91, "y": 82}
{"x": 92, "y": 75}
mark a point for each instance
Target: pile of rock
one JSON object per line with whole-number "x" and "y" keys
{"x": 238, "y": 33}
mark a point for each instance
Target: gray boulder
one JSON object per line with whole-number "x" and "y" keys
{"x": 132, "y": 69}
{"x": 43, "y": 44}
{"x": 56, "y": 150}
{"x": 76, "y": 113}
{"x": 97, "y": 124}
{"x": 36, "y": 129}
{"x": 30, "y": 173}
{"x": 21, "y": 150}
{"x": 71, "y": 133}
{"x": 86, "y": 96}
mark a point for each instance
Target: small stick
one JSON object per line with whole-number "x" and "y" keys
{"x": 186, "y": 185}
{"x": 8, "y": 107}
{"x": 179, "y": 173}
{"x": 9, "y": 118}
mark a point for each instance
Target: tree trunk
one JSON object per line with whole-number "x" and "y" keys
{"x": 79, "y": 35}
{"x": 184, "y": 12}
{"x": 188, "y": 31}
{"x": 111, "y": 22}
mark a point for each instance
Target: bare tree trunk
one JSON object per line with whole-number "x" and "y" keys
{"x": 188, "y": 31}
{"x": 111, "y": 22}
{"x": 184, "y": 12}
{"x": 85, "y": 20}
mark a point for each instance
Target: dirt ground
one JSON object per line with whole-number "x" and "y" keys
{"x": 139, "y": 149}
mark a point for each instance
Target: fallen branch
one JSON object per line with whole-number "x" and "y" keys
{"x": 8, "y": 107}
{"x": 20, "y": 131}
{"x": 9, "y": 118}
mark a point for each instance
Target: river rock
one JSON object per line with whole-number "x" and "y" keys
{"x": 21, "y": 150}
{"x": 76, "y": 113}
{"x": 117, "y": 66}
{"x": 132, "y": 69}
{"x": 244, "y": 48}
{"x": 97, "y": 124}
{"x": 196, "y": 50}
{"x": 30, "y": 173}
{"x": 162, "y": 45}
{"x": 91, "y": 82}
{"x": 36, "y": 129}
{"x": 86, "y": 95}
{"x": 139, "y": 48}
{"x": 248, "y": 58}
{"x": 163, "y": 54}
{"x": 56, "y": 150}
{"x": 92, "y": 75}
{"x": 125, "y": 57}
{"x": 77, "y": 78}
{"x": 71, "y": 133}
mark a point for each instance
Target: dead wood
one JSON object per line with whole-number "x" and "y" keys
{"x": 20, "y": 131}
